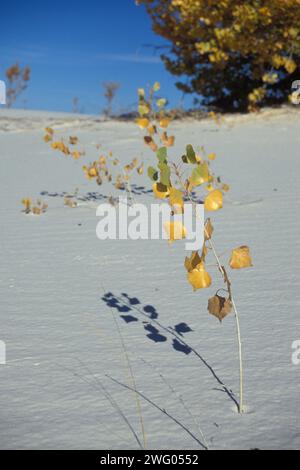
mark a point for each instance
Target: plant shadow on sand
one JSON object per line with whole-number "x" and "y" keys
{"x": 136, "y": 190}
{"x": 132, "y": 310}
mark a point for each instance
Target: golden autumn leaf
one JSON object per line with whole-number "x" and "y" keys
{"x": 176, "y": 200}
{"x": 199, "y": 277}
{"x": 151, "y": 129}
{"x": 164, "y": 123}
{"x": 47, "y": 138}
{"x": 212, "y": 156}
{"x": 168, "y": 141}
{"x": 76, "y": 155}
{"x": 49, "y": 130}
{"x": 175, "y": 230}
{"x": 143, "y": 123}
{"x": 27, "y": 204}
{"x": 214, "y": 200}
{"x": 208, "y": 229}
{"x": 102, "y": 160}
{"x": 192, "y": 262}
{"x": 240, "y": 258}
{"x": 219, "y": 306}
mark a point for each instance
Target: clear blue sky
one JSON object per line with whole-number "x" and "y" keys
{"x": 72, "y": 47}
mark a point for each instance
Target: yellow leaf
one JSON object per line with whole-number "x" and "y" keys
{"x": 192, "y": 262}
{"x": 143, "y": 109}
{"x": 208, "y": 229}
{"x": 166, "y": 140}
{"x": 27, "y": 203}
{"x": 212, "y": 156}
{"x": 76, "y": 155}
{"x": 175, "y": 230}
{"x": 164, "y": 123}
{"x": 141, "y": 93}
{"x": 143, "y": 123}
{"x": 49, "y": 130}
{"x": 240, "y": 258}
{"x": 214, "y": 200}
{"x": 151, "y": 129}
{"x": 176, "y": 200}
{"x": 156, "y": 86}
{"x": 199, "y": 277}
{"x": 47, "y": 137}
{"x": 161, "y": 102}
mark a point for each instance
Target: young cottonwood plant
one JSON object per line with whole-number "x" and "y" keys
{"x": 180, "y": 181}
{"x": 100, "y": 170}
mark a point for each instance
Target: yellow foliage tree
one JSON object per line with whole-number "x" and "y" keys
{"x": 236, "y": 55}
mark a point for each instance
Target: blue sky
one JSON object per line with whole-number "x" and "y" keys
{"x": 72, "y": 47}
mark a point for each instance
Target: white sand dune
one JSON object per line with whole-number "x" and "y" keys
{"x": 60, "y": 334}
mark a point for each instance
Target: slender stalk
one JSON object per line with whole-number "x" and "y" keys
{"x": 227, "y": 281}
{"x": 241, "y": 404}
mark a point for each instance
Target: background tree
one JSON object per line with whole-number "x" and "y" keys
{"x": 236, "y": 55}
{"x": 110, "y": 90}
{"x": 17, "y": 82}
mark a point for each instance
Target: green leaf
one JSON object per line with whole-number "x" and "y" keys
{"x": 143, "y": 109}
{"x": 165, "y": 174}
{"x": 152, "y": 173}
{"x": 161, "y": 102}
{"x": 162, "y": 155}
{"x": 200, "y": 174}
{"x": 190, "y": 153}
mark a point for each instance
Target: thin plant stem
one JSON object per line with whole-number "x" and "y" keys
{"x": 227, "y": 281}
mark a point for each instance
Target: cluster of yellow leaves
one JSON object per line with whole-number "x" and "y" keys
{"x": 101, "y": 170}
{"x": 199, "y": 278}
{"x": 34, "y": 208}
{"x": 153, "y": 119}
{"x": 224, "y": 35}
{"x": 61, "y": 146}
{"x": 169, "y": 183}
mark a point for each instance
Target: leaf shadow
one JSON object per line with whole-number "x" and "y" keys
{"x": 157, "y": 332}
